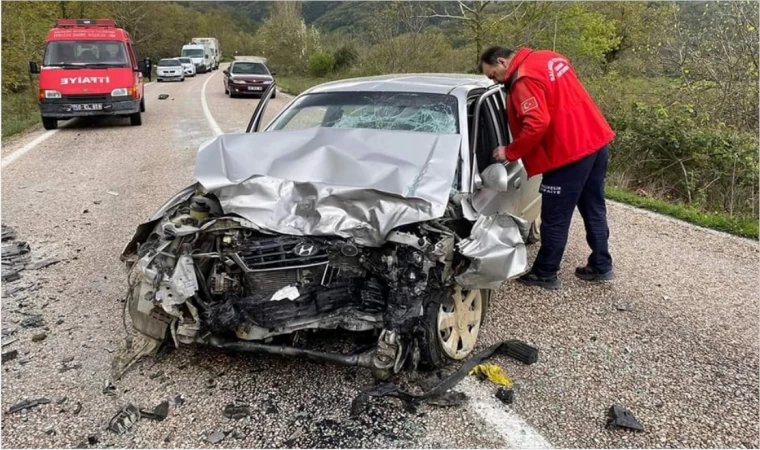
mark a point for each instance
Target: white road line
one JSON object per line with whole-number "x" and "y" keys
{"x": 27, "y": 148}
{"x": 507, "y": 423}
{"x": 212, "y": 123}
{"x": 8, "y": 160}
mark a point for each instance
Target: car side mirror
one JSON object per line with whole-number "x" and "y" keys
{"x": 226, "y": 72}
{"x": 273, "y": 73}
{"x": 34, "y": 67}
{"x": 496, "y": 178}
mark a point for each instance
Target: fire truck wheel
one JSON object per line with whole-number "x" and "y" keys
{"x": 135, "y": 119}
{"x": 49, "y": 123}
{"x": 142, "y": 105}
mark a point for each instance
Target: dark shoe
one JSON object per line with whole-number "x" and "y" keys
{"x": 590, "y": 274}
{"x": 531, "y": 279}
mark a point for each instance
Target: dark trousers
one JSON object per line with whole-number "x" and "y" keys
{"x": 580, "y": 184}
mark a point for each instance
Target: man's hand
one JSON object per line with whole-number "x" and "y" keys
{"x": 499, "y": 153}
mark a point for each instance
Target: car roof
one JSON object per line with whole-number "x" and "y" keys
{"x": 432, "y": 83}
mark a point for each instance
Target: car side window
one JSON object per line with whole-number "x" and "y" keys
{"x": 488, "y": 137}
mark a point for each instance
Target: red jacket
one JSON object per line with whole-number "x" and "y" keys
{"x": 553, "y": 120}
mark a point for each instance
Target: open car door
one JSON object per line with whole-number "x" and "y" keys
{"x": 258, "y": 113}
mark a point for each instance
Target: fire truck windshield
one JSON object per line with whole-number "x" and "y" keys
{"x": 86, "y": 53}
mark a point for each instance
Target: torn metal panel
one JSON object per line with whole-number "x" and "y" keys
{"x": 352, "y": 183}
{"x": 496, "y": 249}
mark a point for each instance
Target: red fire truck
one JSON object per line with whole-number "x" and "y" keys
{"x": 89, "y": 69}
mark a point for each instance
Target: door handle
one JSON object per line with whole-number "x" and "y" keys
{"x": 518, "y": 184}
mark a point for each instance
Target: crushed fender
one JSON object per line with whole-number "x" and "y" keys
{"x": 493, "y": 373}
{"x": 620, "y": 417}
{"x": 513, "y": 348}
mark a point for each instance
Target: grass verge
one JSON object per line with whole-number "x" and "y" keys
{"x": 740, "y": 226}
{"x": 20, "y": 113}
{"x": 294, "y": 85}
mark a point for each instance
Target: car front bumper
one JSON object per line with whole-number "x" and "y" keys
{"x": 242, "y": 89}
{"x": 65, "y": 109}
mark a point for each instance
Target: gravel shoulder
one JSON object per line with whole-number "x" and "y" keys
{"x": 674, "y": 338}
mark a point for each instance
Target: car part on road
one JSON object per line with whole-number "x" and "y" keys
{"x": 491, "y": 372}
{"x": 216, "y": 437}
{"x": 163, "y": 96}
{"x": 506, "y": 348}
{"x": 125, "y": 419}
{"x": 28, "y": 404}
{"x": 158, "y": 414}
{"x": 9, "y": 356}
{"x": 619, "y": 417}
{"x": 450, "y": 398}
{"x": 234, "y": 412}
{"x": 507, "y": 396}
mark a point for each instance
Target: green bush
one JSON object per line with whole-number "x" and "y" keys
{"x": 686, "y": 157}
{"x": 20, "y": 112}
{"x": 345, "y": 57}
{"x": 321, "y": 63}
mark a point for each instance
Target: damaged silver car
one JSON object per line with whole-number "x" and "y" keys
{"x": 369, "y": 205}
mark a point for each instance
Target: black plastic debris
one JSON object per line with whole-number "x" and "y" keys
{"x": 9, "y": 356}
{"x": 216, "y": 437}
{"x": 619, "y": 417}
{"x": 39, "y": 337}
{"x": 451, "y": 398}
{"x": 234, "y": 412}
{"x": 33, "y": 321}
{"x": 159, "y": 413}
{"x": 163, "y": 96}
{"x": 28, "y": 404}
{"x": 78, "y": 408}
{"x": 507, "y": 396}
{"x": 109, "y": 388}
{"x": 512, "y": 348}
{"x": 93, "y": 439}
{"x": 124, "y": 419}
{"x": 179, "y": 400}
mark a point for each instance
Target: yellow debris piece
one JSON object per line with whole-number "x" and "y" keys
{"x": 493, "y": 373}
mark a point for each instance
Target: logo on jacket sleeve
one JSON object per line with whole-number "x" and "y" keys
{"x": 529, "y": 104}
{"x": 557, "y": 68}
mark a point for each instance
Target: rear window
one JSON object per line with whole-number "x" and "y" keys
{"x": 169, "y": 62}
{"x": 252, "y": 68}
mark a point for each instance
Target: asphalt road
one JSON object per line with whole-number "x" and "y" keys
{"x": 674, "y": 338}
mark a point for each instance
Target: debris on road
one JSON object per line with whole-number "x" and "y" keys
{"x": 109, "y": 388}
{"x": 124, "y": 419}
{"x": 33, "y": 321}
{"x": 163, "y": 96}
{"x": 159, "y": 413}
{"x": 78, "y": 408}
{"x": 619, "y": 417}
{"x": 28, "y": 404}
{"x": 9, "y": 341}
{"x": 236, "y": 412}
{"x": 15, "y": 255}
{"x": 216, "y": 437}
{"x": 507, "y": 396}
{"x": 93, "y": 439}
{"x": 8, "y": 233}
{"x": 41, "y": 264}
{"x": 491, "y": 372}
{"x": 39, "y": 337}
{"x": 451, "y": 398}
{"x": 179, "y": 400}
{"x": 9, "y": 356}
{"x": 115, "y": 194}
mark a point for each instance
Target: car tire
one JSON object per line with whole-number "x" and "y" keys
{"x": 135, "y": 119}
{"x": 274, "y": 94}
{"x": 534, "y": 234}
{"x": 49, "y": 123}
{"x": 142, "y": 105}
{"x": 436, "y": 346}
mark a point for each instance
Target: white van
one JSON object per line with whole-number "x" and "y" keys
{"x": 201, "y": 56}
{"x": 213, "y": 45}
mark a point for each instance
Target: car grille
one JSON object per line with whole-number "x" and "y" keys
{"x": 281, "y": 253}
{"x": 86, "y": 98}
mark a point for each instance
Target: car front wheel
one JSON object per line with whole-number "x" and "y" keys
{"x": 451, "y": 324}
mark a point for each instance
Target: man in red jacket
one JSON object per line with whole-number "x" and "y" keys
{"x": 559, "y": 132}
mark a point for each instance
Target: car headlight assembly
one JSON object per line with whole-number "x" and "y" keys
{"x": 120, "y": 92}
{"x": 52, "y": 94}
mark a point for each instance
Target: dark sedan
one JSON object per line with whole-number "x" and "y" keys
{"x": 247, "y": 78}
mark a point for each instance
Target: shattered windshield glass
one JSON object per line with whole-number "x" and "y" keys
{"x": 403, "y": 111}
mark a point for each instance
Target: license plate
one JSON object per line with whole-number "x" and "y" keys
{"x": 255, "y": 88}
{"x": 87, "y": 107}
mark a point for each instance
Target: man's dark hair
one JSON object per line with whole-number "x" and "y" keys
{"x": 491, "y": 54}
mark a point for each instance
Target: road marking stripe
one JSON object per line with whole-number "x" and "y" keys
{"x": 28, "y": 147}
{"x": 8, "y": 160}
{"x": 500, "y": 417}
{"x": 212, "y": 123}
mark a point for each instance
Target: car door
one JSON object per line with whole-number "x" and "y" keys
{"x": 258, "y": 114}
{"x": 489, "y": 130}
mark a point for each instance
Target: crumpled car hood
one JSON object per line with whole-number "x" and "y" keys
{"x": 352, "y": 183}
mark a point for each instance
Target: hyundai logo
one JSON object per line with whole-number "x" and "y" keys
{"x": 305, "y": 249}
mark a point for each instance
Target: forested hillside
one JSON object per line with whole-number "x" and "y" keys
{"x": 678, "y": 81}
